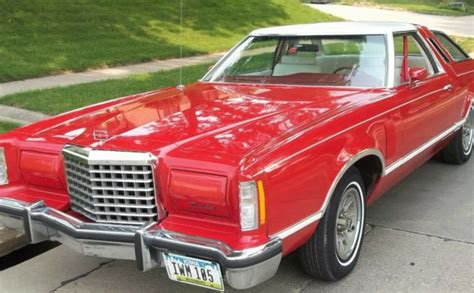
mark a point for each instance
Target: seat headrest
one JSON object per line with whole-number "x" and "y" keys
{"x": 300, "y": 58}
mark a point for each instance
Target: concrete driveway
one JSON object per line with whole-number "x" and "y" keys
{"x": 422, "y": 239}
{"x": 461, "y": 26}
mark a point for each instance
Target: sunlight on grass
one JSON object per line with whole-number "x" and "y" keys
{"x": 53, "y": 36}
{"x": 466, "y": 43}
{"x": 62, "y": 99}
{"x": 435, "y": 7}
{"x": 6, "y": 126}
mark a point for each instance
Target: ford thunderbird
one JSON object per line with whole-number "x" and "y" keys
{"x": 280, "y": 147}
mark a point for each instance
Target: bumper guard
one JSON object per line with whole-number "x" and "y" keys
{"x": 242, "y": 269}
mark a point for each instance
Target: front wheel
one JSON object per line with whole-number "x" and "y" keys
{"x": 332, "y": 251}
{"x": 459, "y": 150}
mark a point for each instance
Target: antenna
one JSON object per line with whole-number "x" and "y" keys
{"x": 180, "y": 85}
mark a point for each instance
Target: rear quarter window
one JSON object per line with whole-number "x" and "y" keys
{"x": 457, "y": 54}
{"x": 439, "y": 50}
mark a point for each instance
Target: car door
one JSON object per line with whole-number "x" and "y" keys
{"x": 428, "y": 106}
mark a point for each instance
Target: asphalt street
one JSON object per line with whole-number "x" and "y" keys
{"x": 421, "y": 239}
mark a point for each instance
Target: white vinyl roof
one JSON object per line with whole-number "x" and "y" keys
{"x": 336, "y": 28}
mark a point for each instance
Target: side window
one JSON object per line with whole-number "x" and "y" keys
{"x": 454, "y": 50}
{"x": 417, "y": 56}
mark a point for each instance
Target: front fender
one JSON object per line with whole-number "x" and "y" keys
{"x": 301, "y": 176}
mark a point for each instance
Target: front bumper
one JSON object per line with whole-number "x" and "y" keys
{"x": 146, "y": 245}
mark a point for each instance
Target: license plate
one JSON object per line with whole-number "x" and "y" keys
{"x": 194, "y": 271}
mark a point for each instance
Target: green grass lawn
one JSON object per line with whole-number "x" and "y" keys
{"x": 466, "y": 43}
{"x": 61, "y": 99}
{"x": 53, "y": 36}
{"x": 6, "y": 126}
{"x": 436, "y": 7}
{"x": 58, "y": 100}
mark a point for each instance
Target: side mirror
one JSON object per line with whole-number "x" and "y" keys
{"x": 417, "y": 73}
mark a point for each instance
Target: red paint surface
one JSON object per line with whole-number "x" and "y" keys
{"x": 199, "y": 193}
{"x": 294, "y": 138}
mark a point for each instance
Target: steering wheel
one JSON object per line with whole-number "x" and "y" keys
{"x": 345, "y": 70}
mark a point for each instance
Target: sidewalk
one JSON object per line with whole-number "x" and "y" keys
{"x": 19, "y": 116}
{"x": 460, "y": 26}
{"x": 102, "y": 74}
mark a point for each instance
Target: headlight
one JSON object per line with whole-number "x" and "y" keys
{"x": 3, "y": 167}
{"x": 199, "y": 193}
{"x": 252, "y": 205}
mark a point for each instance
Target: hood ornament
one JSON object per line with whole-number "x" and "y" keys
{"x": 100, "y": 135}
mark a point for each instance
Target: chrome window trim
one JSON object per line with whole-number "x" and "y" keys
{"x": 468, "y": 57}
{"x": 207, "y": 78}
{"x": 391, "y": 60}
{"x": 433, "y": 55}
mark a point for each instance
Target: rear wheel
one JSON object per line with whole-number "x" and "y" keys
{"x": 459, "y": 150}
{"x": 332, "y": 251}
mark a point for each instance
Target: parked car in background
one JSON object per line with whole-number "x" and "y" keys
{"x": 319, "y": 1}
{"x": 279, "y": 148}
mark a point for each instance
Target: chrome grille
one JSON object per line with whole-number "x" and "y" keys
{"x": 111, "y": 187}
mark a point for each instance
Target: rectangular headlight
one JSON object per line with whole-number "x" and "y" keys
{"x": 248, "y": 199}
{"x": 199, "y": 193}
{"x": 3, "y": 167}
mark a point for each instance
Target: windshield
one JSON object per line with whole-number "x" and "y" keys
{"x": 356, "y": 61}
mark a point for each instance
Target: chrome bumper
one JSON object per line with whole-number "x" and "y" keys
{"x": 242, "y": 269}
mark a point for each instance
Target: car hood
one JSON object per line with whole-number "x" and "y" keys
{"x": 222, "y": 118}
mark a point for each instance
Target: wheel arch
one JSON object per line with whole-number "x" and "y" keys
{"x": 370, "y": 160}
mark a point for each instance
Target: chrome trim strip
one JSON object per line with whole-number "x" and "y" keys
{"x": 124, "y": 197}
{"x": 100, "y": 157}
{"x": 319, "y": 214}
{"x": 277, "y": 164}
{"x": 466, "y": 73}
{"x": 300, "y": 225}
{"x": 207, "y": 78}
{"x": 120, "y": 172}
{"x": 387, "y": 170}
{"x": 392, "y": 167}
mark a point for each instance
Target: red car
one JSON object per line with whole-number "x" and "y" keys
{"x": 280, "y": 147}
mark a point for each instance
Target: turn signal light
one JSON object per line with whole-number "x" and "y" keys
{"x": 252, "y": 205}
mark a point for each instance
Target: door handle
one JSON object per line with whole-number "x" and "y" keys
{"x": 448, "y": 87}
